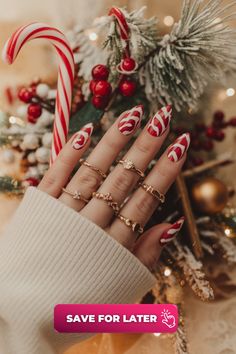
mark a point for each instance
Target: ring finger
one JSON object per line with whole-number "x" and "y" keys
{"x": 142, "y": 204}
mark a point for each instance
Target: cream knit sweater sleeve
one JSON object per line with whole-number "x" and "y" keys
{"x": 50, "y": 254}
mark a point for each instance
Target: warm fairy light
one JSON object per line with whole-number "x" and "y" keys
{"x": 167, "y": 272}
{"x": 157, "y": 334}
{"x": 168, "y": 21}
{"x": 93, "y": 36}
{"x": 16, "y": 120}
{"x": 227, "y": 232}
{"x": 230, "y": 92}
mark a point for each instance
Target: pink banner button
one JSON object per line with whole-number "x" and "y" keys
{"x": 107, "y": 318}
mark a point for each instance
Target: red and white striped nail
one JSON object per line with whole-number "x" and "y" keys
{"x": 179, "y": 147}
{"x": 172, "y": 232}
{"x": 130, "y": 120}
{"x": 82, "y": 136}
{"x": 160, "y": 122}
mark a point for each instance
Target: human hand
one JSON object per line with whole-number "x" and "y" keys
{"x": 121, "y": 181}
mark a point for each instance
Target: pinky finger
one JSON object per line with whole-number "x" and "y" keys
{"x": 149, "y": 246}
{"x": 58, "y": 174}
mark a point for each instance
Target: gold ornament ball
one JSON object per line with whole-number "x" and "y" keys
{"x": 210, "y": 195}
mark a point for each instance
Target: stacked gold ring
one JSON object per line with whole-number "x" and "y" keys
{"x": 129, "y": 165}
{"x": 108, "y": 199}
{"x": 94, "y": 168}
{"x": 154, "y": 192}
{"x": 136, "y": 227}
{"x": 76, "y": 195}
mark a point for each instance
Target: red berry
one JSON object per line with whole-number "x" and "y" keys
{"x": 100, "y": 72}
{"x": 99, "y": 102}
{"x": 31, "y": 181}
{"x": 127, "y": 88}
{"x": 128, "y": 64}
{"x": 232, "y": 122}
{"x": 219, "y": 116}
{"x": 102, "y": 88}
{"x": 208, "y": 145}
{"x": 25, "y": 95}
{"x": 220, "y": 135}
{"x": 92, "y": 85}
{"x": 34, "y": 110}
{"x": 211, "y": 132}
{"x": 31, "y": 119}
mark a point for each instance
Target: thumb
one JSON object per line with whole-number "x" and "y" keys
{"x": 149, "y": 246}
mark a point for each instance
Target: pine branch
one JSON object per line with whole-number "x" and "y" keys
{"x": 192, "y": 270}
{"x": 10, "y": 186}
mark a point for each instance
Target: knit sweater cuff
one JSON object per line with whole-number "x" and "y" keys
{"x": 50, "y": 254}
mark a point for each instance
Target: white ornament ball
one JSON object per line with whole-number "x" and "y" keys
{"x": 31, "y": 141}
{"x": 42, "y": 90}
{"x": 45, "y": 119}
{"x": 22, "y": 111}
{"x": 8, "y": 156}
{"x": 42, "y": 155}
{"x": 32, "y": 172}
{"x": 42, "y": 168}
{"x": 47, "y": 140}
{"x": 32, "y": 157}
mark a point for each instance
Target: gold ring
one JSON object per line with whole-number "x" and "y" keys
{"x": 108, "y": 199}
{"x": 155, "y": 193}
{"x": 129, "y": 165}
{"x": 86, "y": 163}
{"x": 136, "y": 227}
{"x": 76, "y": 195}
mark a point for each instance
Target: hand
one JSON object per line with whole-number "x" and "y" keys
{"x": 121, "y": 182}
{"x": 169, "y": 320}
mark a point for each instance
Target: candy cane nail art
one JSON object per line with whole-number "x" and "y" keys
{"x": 129, "y": 120}
{"x": 179, "y": 147}
{"x": 82, "y": 136}
{"x": 172, "y": 232}
{"x": 160, "y": 122}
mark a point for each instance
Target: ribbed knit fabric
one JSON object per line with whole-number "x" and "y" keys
{"x": 50, "y": 254}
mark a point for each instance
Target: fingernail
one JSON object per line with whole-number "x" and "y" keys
{"x": 160, "y": 122}
{"x": 130, "y": 120}
{"x": 172, "y": 232}
{"x": 82, "y": 136}
{"x": 179, "y": 147}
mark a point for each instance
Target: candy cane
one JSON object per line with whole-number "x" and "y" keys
{"x": 123, "y": 26}
{"x": 65, "y": 75}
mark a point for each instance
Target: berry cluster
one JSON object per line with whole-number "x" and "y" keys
{"x": 203, "y": 137}
{"x": 127, "y": 86}
{"x": 36, "y": 98}
{"x": 100, "y": 87}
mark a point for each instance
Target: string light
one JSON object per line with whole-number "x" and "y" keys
{"x": 168, "y": 21}
{"x": 157, "y": 334}
{"x": 16, "y": 120}
{"x": 93, "y": 36}
{"x": 167, "y": 272}
{"x": 227, "y": 232}
{"x": 230, "y": 92}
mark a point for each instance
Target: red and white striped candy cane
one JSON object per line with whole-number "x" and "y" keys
{"x": 123, "y": 26}
{"x": 65, "y": 75}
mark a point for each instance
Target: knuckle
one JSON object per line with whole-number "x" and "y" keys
{"x": 122, "y": 182}
{"x": 143, "y": 146}
{"x": 90, "y": 179}
{"x": 144, "y": 205}
{"x": 48, "y": 181}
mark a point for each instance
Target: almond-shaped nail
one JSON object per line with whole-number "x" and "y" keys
{"x": 179, "y": 147}
{"x": 160, "y": 122}
{"x": 130, "y": 120}
{"x": 82, "y": 136}
{"x": 172, "y": 232}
